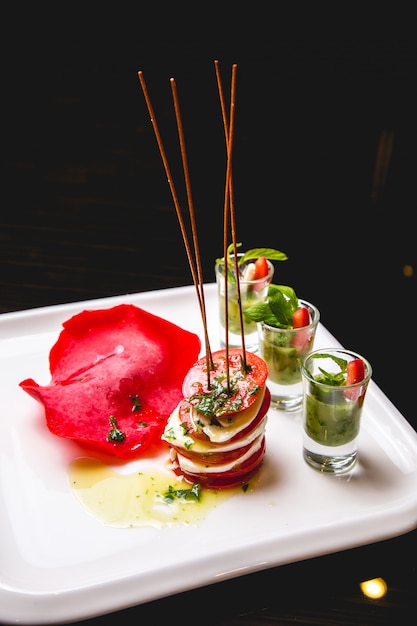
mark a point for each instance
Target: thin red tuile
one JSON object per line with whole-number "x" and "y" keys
{"x": 131, "y": 357}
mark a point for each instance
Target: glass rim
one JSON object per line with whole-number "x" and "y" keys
{"x": 337, "y": 351}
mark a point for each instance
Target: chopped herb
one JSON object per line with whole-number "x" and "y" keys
{"x": 187, "y": 441}
{"x": 246, "y": 368}
{"x": 194, "y": 493}
{"x": 115, "y": 434}
{"x": 185, "y": 428}
{"x": 170, "y": 433}
{"x": 217, "y": 401}
{"x": 136, "y": 405}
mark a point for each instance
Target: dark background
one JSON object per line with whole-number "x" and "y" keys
{"x": 324, "y": 169}
{"x": 86, "y": 207}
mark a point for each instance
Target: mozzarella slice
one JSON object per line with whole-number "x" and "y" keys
{"x": 194, "y": 467}
{"x": 175, "y": 434}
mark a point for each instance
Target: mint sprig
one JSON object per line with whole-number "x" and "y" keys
{"x": 278, "y": 310}
{"x": 328, "y": 378}
{"x": 254, "y": 253}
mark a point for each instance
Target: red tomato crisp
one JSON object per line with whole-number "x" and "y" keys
{"x": 117, "y": 374}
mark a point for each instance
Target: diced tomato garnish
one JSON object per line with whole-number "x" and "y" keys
{"x": 301, "y": 317}
{"x": 355, "y": 371}
{"x": 261, "y": 268}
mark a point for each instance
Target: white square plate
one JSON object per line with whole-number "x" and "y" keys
{"x": 58, "y": 564}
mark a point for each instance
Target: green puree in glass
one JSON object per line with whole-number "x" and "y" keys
{"x": 332, "y": 421}
{"x": 248, "y": 299}
{"x": 282, "y": 358}
{"x": 280, "y": 345}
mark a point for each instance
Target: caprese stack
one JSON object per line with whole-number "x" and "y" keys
{"x": 216, "y": 433}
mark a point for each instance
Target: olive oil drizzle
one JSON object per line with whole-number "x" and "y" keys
{"x": 144, "y": 497}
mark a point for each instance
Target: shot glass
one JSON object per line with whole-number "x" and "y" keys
{"x": 251, "y": 292}
{"x": 332, "y": 409}
{"x": 282, "y": 349}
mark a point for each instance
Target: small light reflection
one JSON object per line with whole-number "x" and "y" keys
{"x": 408, "y": 271}
{"x": 374, "y": 588}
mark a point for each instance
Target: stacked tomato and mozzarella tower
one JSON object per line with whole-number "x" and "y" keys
{"x": 217, "y": 432}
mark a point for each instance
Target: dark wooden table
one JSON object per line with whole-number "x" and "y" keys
{"x": 86, "y": 213}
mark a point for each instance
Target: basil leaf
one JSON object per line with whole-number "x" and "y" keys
{"x": 279, "y": 308}
{"x": 342, "y": 363}
{"x": 328, "y": 378}
{"x": 258, "y": 312}
{"x": 269, "y": 253}
{"x": 253, "y": 253}
{"x": 288, "y": 292}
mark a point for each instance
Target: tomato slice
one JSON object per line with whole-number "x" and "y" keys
{"x": 239, "y": 475}
{"x": 200, "y": 435}
{"x": 214, "y": 457}
{"x": 214, "y": 454}
{"x": 261, "y": 414}
{"x": 245, "y": 387}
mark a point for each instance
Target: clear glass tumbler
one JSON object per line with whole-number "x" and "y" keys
{"x": 251, "y": 292}
{"x": 282, "y": 349}
{"x": 332, "y": 409}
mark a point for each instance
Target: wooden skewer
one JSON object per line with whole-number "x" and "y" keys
{"x": 225, "y": 225}
{"x": 196, "y": 273}
{"x": 200, "y": 285}
{"x": 229, "y": 201}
